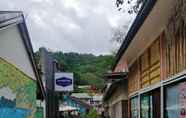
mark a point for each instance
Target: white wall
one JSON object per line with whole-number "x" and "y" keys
{"x": 121, "y": 93}
{"x": 115, "y": 101}
{"x": 12, "y": 49}
{"x": 116, "y": 110}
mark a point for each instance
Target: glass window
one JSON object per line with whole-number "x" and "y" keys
{"x": 150, "y": 104}
{"x": 134, "y": 107}
{"x": 145, "y": 106}
{"x": 176, "y": 101}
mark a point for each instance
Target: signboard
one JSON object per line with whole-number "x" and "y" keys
{"x": 64, "y": 82}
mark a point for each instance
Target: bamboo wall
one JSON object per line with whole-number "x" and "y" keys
{"x": 146, "y": 70}
{"x": 134, "y": 77}
{"x": 150, "y": 65}
{"x": 165, "y": 57}
{"x": 175, "y": 55}
{"x": 174, "y": 41}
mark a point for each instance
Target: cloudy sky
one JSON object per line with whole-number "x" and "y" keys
{"x": 83, "y": 26}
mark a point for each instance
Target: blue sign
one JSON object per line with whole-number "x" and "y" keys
{"x": 64, "y": 81}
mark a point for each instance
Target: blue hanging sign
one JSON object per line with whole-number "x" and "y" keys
{"x": 64, "y": 81}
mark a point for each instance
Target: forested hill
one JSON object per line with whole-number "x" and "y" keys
{"x": 88, "y": 68}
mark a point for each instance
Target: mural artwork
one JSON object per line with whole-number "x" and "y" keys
{"x": 17, "y": 92}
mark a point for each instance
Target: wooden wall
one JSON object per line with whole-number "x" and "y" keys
{"x": 150, "y": 64}
{"x": 134, "y": 78}
{"x": 146, "y": 70}
{"x": 174, "y": 55}
{"x": 166, "y": 56}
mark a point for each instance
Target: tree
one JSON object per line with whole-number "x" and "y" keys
{"x": 87, "y": 68}
{"x": 132, "y": 6}
{"x": 118, "y": 36}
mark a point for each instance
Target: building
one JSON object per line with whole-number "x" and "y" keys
{"x": 154, "y": 54}
{"x": 20, "y": 83}
{"x": 116, "y": 95}
{"x": 72, "y": 101}
{"x": 83, "y": 97}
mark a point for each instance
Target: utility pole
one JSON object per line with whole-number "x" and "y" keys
{"x": 48, "y": 70}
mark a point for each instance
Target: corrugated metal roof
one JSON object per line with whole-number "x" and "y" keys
{"x": 81, "y": 95}
{"x": 8, "y": 18}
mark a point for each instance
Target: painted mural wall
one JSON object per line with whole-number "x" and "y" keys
{"x": 17, "y": 92}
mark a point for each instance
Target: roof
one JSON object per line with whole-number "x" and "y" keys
{"x": 115, "y": 75}
{"x": 81, "y": 95}
{"x": 9, "y": 18}
{"x": 138, "y": 22}
{"x": 97, "y": 98}
{"x": 84, "y": 104}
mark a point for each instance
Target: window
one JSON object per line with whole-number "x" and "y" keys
{"x": 134, "y": 107}
{"x": 150, "y": 104}
{"x": 175, "y": 100}
{"x": 146, "y": 106}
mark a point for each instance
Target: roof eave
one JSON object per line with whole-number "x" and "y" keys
{"x": 115, "y": 75}
{"x": 29, "y": 49}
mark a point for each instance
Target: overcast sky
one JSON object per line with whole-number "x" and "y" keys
{"x": 83, "y": 26}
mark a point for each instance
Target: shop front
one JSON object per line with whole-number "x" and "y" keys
{"x": 169, "y": 99}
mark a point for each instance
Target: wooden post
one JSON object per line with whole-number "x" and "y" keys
{"x": 162, "y": 57}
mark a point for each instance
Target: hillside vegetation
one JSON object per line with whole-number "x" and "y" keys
{"x": 88, "y": 69}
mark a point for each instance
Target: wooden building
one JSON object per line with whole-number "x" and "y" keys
{"x": 154, "y": 53}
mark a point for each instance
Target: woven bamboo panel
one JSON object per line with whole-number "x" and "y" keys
{"x": 155, "y": 62}
{"x": 155, "y": 52}
{"x": 145, "y": 84}
{"x": 155, "y": 80}
{"x": 133, "y": 78}
{"x": 145, "y": 61}
{"x": 150, "y": 65}
{"x": 155, "y": 73}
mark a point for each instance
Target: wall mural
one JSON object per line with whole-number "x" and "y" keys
{"x": 17, "y": 92}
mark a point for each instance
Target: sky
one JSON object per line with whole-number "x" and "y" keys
{"x": 83, "y": 26}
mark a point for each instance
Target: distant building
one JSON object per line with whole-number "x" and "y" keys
{"x": 20, "y": 83}
{"x": 94, "y": 101}
{"x": 153, "y": 56}
{"x": 83, "y": 97}
{"x": 82, "y": 106}
{"x": 97, "y": 103}
{"x": 115, "y": 99}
